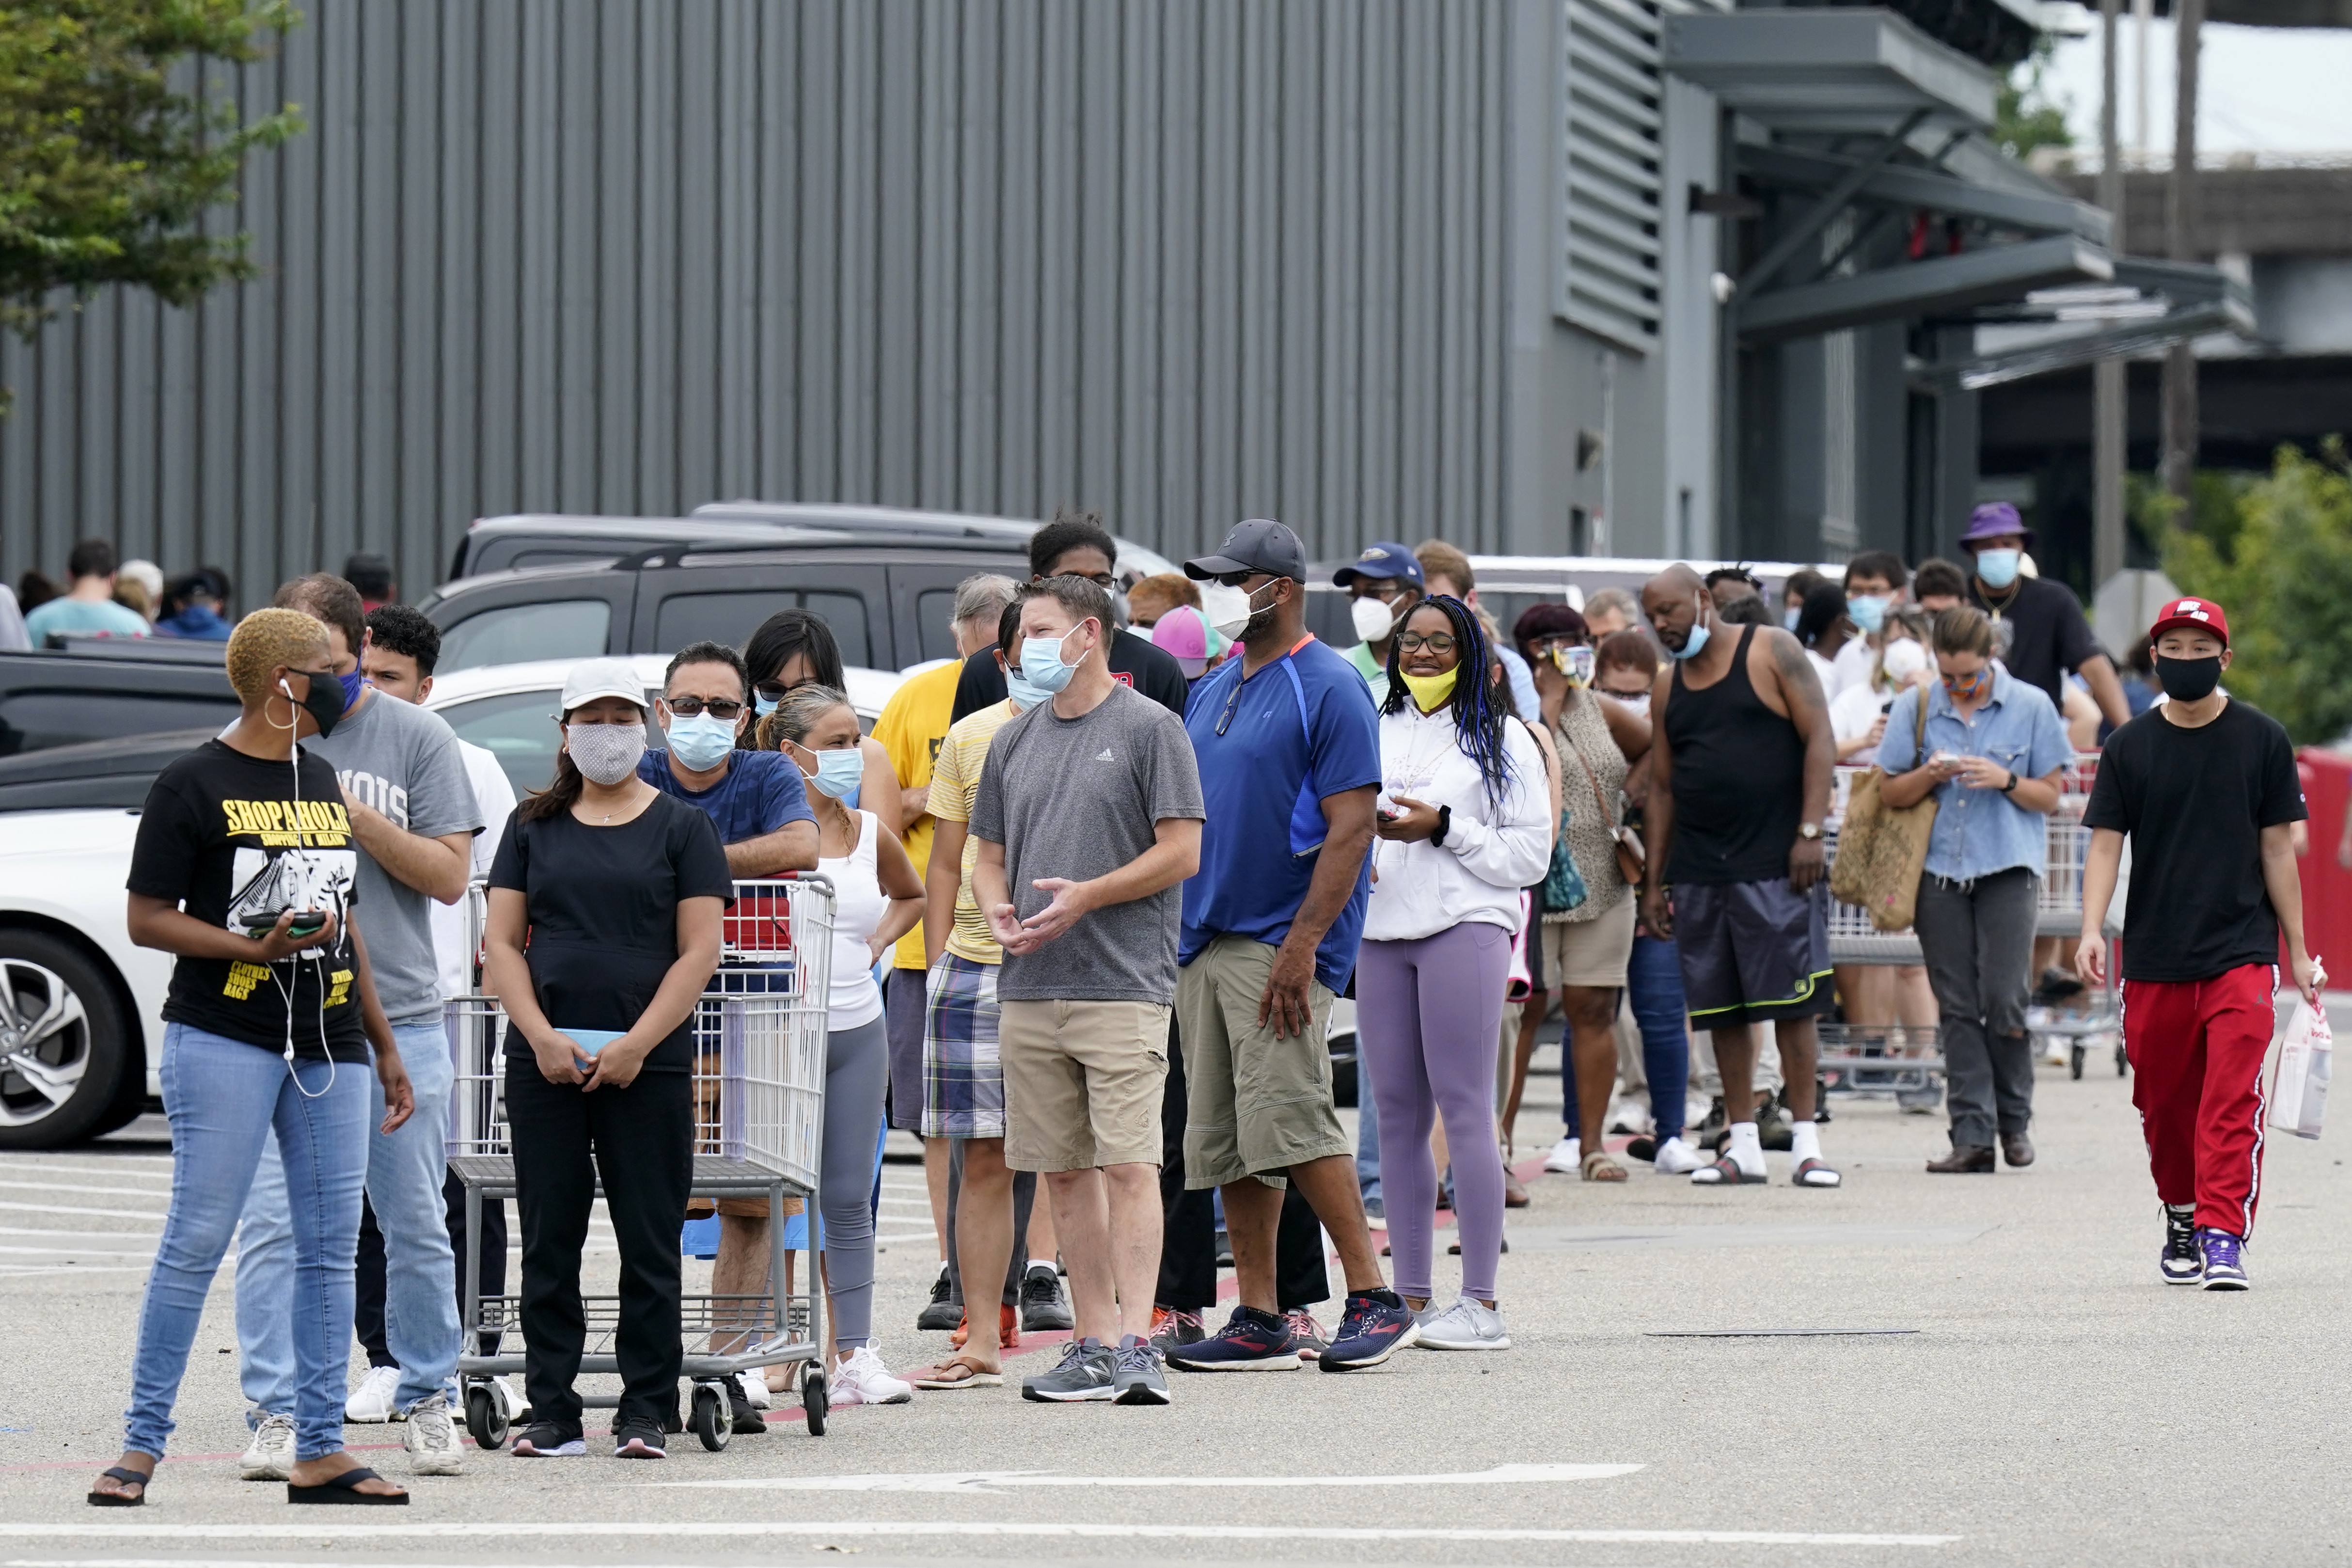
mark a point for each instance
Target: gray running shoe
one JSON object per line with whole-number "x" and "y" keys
{"x": 1467, "y": 1325}
{"x": 1139, "y": 1379}
{"x": 942, "y": 1312}
{"x": 1087, "y": 1371}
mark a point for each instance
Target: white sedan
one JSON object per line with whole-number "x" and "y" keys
{"x": 77, "y": 998}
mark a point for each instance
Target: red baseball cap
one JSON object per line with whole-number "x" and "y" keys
{"x": 2199, "y": 614}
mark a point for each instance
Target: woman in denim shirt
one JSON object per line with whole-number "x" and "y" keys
{"x": 1992, "y": 754}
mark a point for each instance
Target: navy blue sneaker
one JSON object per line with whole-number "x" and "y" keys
{"x": 1251, "y": 1341}
{"x": 2225, "y": 1270}
{"x": 1373, "y": 1329}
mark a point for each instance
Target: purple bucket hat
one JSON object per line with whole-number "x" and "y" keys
{"x": 1993, "y": 520}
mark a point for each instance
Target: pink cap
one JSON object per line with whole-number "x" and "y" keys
{"x": 1184, "y": 637}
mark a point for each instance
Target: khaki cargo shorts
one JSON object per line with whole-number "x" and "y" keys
{"x": 1255, "y": 1104}
{"x": 1083, "y": 1082}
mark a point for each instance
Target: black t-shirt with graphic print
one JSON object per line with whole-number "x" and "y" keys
{"x": 236, "y": 840}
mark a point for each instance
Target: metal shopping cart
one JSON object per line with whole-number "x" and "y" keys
{"x": 759, "y": 1096}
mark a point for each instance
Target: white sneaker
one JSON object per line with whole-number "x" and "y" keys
{"x": 270, "y": 1456}
{"x": 431, "y": 1438}
{"x": 1567, "y": 1157}
{"x": 753, "y": 1386}
{"x": 864, "y": 1380}
{"x": 371, "y": 1402}
{"x": 1676, "y": 1158}
{"x": 1467, "y": 1325}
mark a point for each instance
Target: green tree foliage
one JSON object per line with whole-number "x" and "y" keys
{"x": 112, "y": 146}
{"x": 2024, "y": 114}
{"x": 2281, "y": 566}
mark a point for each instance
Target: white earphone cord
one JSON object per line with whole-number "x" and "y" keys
{"x": 318, "y": 963}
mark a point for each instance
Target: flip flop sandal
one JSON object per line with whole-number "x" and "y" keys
{"x": 1725, "y": 1172}
{"x": 118, "y": 1499}
{"x": 941, "y": 1377}
{"x": 1600, "y": 1167}
{"x": 1814, "y": 1174}
{"x": 345, "y": 1489}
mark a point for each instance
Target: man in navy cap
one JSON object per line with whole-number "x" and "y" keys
{"x": 1383, "y": 585}
{"x": 2038, "y": 626}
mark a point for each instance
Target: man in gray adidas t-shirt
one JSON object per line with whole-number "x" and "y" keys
{"x": 1088, "y": 820}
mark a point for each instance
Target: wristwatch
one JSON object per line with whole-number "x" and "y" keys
{"x": 1809, "y": 831}
{"x": 2012, "y": 785}
{"x": 1445, "y": 820}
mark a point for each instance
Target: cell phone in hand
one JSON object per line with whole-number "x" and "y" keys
{"x": 1944, "y": 760}
{"x": 308, "y": 923}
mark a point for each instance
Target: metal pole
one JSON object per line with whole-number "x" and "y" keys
{"x": 2143, "y": 25}
{"x": 2180, "y": 364}
{"x": 2109, "y": 388}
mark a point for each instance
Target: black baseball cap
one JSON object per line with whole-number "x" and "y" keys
{"x": 1257, "y": 544}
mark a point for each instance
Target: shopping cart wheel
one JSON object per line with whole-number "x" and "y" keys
{"x": 2075, "y": 1053}
{"x": 486, "y": 1418}
{"x": 711, "y": 1421}
{"x": 814, "y": 1396}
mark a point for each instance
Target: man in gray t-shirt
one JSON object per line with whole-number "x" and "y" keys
{"x": 1088, "y": 820}
{"x": 415, "y": 814}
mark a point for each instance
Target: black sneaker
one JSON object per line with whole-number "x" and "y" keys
{"x": 551, "y": 1440}
{"x": 1172, "y": 1328}
{"x": 638, "y": 1439}
{"x": 1043, "y": 1308}
{"x": 1088, "y": 1371}
{"x": 2183, "y": 1261}
{"x": 743, "y": 1418}
{"x": 942, "y": 1312}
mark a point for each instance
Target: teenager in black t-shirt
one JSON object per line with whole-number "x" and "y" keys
{"x": 244, "y": 870}
{"x": 604, "y": 931}
{"x": 2207, "y": 789}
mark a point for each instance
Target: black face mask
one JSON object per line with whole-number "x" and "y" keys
{"x": 2186, "y": 679}
{"x": 326, "y": 700}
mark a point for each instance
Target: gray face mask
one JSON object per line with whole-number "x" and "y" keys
{"x": 605, "y": 754}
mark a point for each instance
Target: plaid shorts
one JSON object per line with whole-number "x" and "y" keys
{"x": 963, "y": 1079}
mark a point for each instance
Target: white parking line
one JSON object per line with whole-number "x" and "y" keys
{"x": 70, "y": 1208}
{"x": 90, "y": 1168}
{"x": 817, "y": 1531}
{"x": 72, "y": 1252}
{"x": 76, "y": 1187}
{"x": 101, "y": 1234}
{"x": 985, "y": 1482}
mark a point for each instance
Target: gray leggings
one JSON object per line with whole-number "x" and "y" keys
{"x": 856, "y": 1066}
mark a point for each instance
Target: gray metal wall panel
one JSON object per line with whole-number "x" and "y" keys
{"x": 1181, "y": 262}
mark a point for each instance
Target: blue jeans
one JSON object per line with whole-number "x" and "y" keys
{"x": 403, "y": 1184}
{"x": 224, "y": 1100}
{"x": 1654, "y": 986}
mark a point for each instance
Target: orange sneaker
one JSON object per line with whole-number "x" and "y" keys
{"x": 1008, "y": 1332}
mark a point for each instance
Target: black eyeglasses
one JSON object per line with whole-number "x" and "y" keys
{"x": 1435, "y": 642}
{"x": 695, "y": 707}
{"x": 1233, "y": 701}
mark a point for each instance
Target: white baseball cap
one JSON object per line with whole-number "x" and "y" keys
{"x": 595, "y": 678}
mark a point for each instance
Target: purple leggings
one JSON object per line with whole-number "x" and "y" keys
{"x": 1428, "y": 1016}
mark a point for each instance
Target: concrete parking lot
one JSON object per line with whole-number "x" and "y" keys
{"x": 1918, "y": 1370}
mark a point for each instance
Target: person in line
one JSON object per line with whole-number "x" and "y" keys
{"x": 1153, "y": 596}
{"x": 403, "y": 647}
{"x": 1939, "y": 585}
{"x": 2206, "y": 789}
{"x": 1728, "y": 585}
{"x": 1993, "y": 754}
{"x": 877, "y": 900}
{"x": 13, "y": 637}
{"x": 1585, "y": 947}
{"x": 2038, "y": 632}
{"x": 796, "y": 648}
{"x": 1799, "y": 583}
{"x": 370, "y": 574}
{"x": 1876, "y": 584}
{"x": 1608, "y": 611}
{"x": 1184, "y": 637}
{"x": 139, "y": 586}
{"x": 1824, "y": 631}
{"x": 1446, "y": 570}
{"x": 619, "y": 888}
{"x": 912, "y": 731}
{"x": 413, "y": 820}
{"x": 1740, "y": 762}
{"x": 1383, "y": 584}
{"x": 759, "y": 804}
{"x": 1289, "y": 756}
{"x": 991, "y": 1207}
{"x": 1087, "y": 817}
{"x": 1463, "y": 826}
{"x": 87, "y": 605}
{"x": 244, "y": 870}
{"x": 1075, "y": 545}
{"x": 190, "y": 610}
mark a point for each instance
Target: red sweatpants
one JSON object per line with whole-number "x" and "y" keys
{"x": 2196, "y": 1049}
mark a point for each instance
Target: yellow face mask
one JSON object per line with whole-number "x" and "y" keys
{"x": 1431, "y": 691}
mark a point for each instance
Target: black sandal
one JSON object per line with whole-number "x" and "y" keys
{"x": 117, "y": 1499}
{"x": 344, "y": 1489}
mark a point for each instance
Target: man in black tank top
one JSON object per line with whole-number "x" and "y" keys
{"x": 1739, "y": 786}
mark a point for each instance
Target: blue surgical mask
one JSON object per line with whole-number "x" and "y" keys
{"x": 1998, "y": 568}
{"x": 1024, "y": 695}
{"x": 1868, "y": 611}
{"x": 763, "y": 706}
{"x": 1041, "y": 662}
{"x": 1791, "y": 617}
{"x": 838, "y": 772}
{"x": 1700, "y": 631}
{"x": 351, "y": 684}
{"x": 702, "y": 743}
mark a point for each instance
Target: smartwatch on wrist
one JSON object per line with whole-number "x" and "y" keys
{"x": 2011, "y": 787}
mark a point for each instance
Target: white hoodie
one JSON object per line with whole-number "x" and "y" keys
{"x": 1492, "y": 849}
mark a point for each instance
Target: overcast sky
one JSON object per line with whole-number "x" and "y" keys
{"x": 2265, "y": 90}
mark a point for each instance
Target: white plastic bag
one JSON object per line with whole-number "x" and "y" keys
{"x": 2299, "y": 1094}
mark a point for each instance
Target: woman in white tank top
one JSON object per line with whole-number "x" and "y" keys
{"x": 878, "y": 899}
